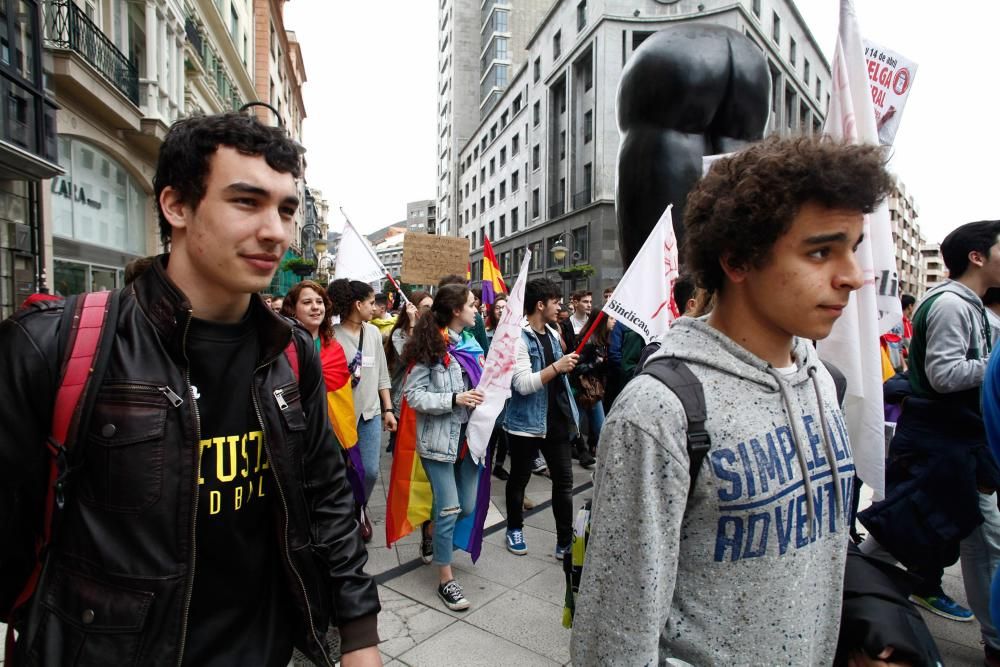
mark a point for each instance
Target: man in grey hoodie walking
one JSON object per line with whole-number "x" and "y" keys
{"x": 748, "y": 568}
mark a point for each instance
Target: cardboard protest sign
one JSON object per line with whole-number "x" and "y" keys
{"x": 428, "y": 257}
{"x": 890, "y": 76}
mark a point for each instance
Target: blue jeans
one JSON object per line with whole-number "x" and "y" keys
{"x": 370, "y": 444}
{"x": 595, "y": 418}
{"x": 980, "y": 558}
{"x": 455, "y": 486}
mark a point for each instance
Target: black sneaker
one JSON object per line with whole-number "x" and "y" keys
{"x": 451, "y": 594}
{"x": 426, "y": 544}
{"x": 586, "y": 460}
{"x": 500, "y": 473}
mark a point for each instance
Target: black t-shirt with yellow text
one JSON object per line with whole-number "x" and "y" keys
{"x": 240, "y": 611}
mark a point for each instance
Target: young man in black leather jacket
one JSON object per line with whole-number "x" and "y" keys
{"x": 208, "y": 519}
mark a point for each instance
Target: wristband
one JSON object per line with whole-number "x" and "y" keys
{"x": 385, "y": 410}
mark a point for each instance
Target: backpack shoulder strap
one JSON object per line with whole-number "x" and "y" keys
{"x": 86, "y": 349}
{"x": 679, "y": 379}
{"x": 839, "y": 381}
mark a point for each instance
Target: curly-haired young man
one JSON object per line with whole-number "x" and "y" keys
{"x": 208, "y": 519}
{"x": 748, "y": 568}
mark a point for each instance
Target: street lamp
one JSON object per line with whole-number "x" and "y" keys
{"x": 559, "y": 250}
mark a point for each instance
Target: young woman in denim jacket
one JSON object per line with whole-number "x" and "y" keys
{"x": 439, "y": 389}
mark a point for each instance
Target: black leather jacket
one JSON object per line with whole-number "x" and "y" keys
{"x": 117, "y": 586}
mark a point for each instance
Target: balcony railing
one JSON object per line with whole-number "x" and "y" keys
{"x": 582, "y": 198}
{"x": 217, "y": 71}
{"x": 67, "y": 27}
{"x": 193, "y": 35}
{"x": 557, "y": 209}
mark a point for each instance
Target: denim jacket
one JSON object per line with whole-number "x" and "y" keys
{"x": 527, "y": 409}
{"x": 429, "y": 391}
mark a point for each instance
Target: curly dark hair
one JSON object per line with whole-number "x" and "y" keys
{"x": 427, "y": 346}
{"x": 748, "y": 200}
{"x": 343, "y": 293}
{"x": 291, "y": 302}
{"x": 187, "y": 150}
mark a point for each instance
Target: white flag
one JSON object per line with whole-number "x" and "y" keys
{"x": 356, "y": 260}
{"x": 644, "y": 299}
{"x": 853, "y": 345}
{"x": 498, "y": 369}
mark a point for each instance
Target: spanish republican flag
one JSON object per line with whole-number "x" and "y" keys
{"x": 340, "y": 410}
{"x": 493, "y": 283}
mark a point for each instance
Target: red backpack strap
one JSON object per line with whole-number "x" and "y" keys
{"x": 292, "y": 354}
{"x": 83, "y": 343}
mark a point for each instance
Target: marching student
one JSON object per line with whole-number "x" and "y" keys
{"x": 447, "y": 364}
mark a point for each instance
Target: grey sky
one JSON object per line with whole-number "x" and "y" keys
{"x": 371, "y": 102}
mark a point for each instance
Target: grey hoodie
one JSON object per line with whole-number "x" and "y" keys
{"x": 950, "y": 348}
{"x": 749, "y": 569}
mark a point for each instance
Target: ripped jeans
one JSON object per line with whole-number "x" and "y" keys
{"x": 454, "y": 486}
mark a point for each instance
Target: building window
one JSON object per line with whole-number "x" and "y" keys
{"x": 473, "y": 210}
{"x": 234, "y": 22}
{"x": 482, "y": 204}
{"x": 790, "y": 107}
{"x": 503, "y": 190}
{"x": 581, "y": 15}
{"x": 513, "y": 219}
{"x": 504, "y": 119}
{"x": 518, "y": 258}
{"x": 562, "y": 145}
{"x": 588, "y": 180}
{"x": 503, "y": 156}
{"x": 775, "y": 87}
{"x": 536, "y": 157}
{"x": 805, "y": 71}
{"x": 493, "y": 166}
{"x": 503, "y": 226}
{"x": 537, "y": 69}
{"x": 588, "y": 76}
{"x": 473, "y": 182}
{"x": 581, "y": 242}
{"x": 536, "y": 113}
{"x": 493, "y": 198}
{"x": 492, "y": 230}
{"x": 557, "y": 45}
{"x": 514, "y": 184}
{"x": 792, "y": 50}
{"x": 535, "y": 202}
{"x": 536, "y": 256}
{"x": 516, "y": 106}
{"x": 775, "y": 27}
{"x": 482, "y": 176}
{"x": 755, "y": 8}
{"x": 493, "y": 132}
{"x": 588, "y": 126}
{"x": 515, "y": 145}
{"x": 819, "y": 85}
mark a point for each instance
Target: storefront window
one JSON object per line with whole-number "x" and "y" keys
{"x": 96, "y": 201}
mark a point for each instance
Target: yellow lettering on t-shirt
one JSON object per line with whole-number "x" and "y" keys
{"x": 215, "y": 502}
{"x": 225, "y": 458}
{"x": 245, "y": 470}
{"x": 238, "y": 498}
{"x": 260, "y": 487}
{"x": 257, "y": 435}
{"x": 205, "y": 444}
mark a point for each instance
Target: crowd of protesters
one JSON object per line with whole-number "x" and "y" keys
{"x": 718, "y": 533}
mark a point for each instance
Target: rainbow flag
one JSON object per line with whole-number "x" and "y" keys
{"x": 493, "y": 283}
{"x": 340, "y": 410}
{"x": 410, "y": 495}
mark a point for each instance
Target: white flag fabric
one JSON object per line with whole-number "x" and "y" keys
{"x": 853, "y": 345}
{"x": 356, "y": 260}
{"x": 498, "y": 369}
{"x": 644, "y": 298}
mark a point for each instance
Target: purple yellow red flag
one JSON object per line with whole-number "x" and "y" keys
{"x": 340, "y": 410}
{"x": 493, "y": 283}
{"x": 411, "y": 498}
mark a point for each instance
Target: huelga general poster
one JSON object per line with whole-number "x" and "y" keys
{"x": 890, "y": 77}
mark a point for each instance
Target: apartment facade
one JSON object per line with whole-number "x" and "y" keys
{"x": 935, "y": 272}
{"x": 421, "y": 216}
{"x": 908, "y": 241}
{"x": 28, "y": 152}
{"x": 540, "y": 168}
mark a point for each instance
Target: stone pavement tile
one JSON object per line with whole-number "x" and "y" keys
{"x": 544, "y": 520}
{"x": 966, "y": 634}
{"x": 499, "y": 566}
{"x": 380, "y": 559}
{"x": 469, "y": 646}
{"x": 549, "y": 585}
{"x": 959, "y": 654}
{"x": 527, "y": 621}
{"x": 404, "y": 623}
{"x": 421, "y": 585}
{"x": 407, "y": 552}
